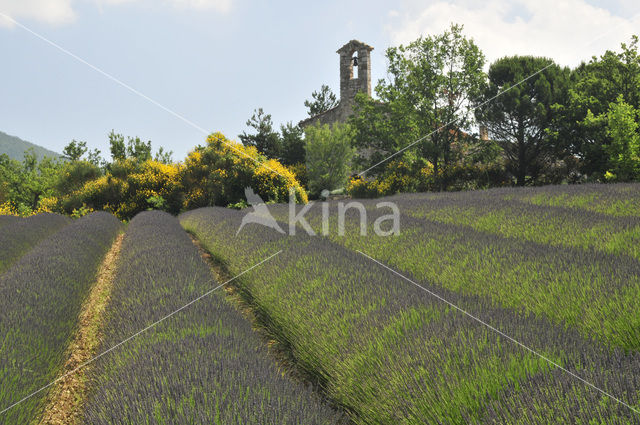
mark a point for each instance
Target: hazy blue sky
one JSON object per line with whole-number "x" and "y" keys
{"x": 214, "y": 61}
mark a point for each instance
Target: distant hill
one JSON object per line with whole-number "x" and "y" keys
{"x": 15, "y": 147}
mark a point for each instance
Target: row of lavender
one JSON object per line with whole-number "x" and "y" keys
{"x": 590, "y": 288}
{"x": 389, "y": 352}
{"x": 41, "y": 294}
{"x": 552, "y": 225}
{"x": 617, "y": 200}
{"x": 18, "y": 235}
{"x": 203, "y": 365}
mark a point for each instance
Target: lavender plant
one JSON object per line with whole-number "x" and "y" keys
{"x": 390, "y": 353}
{"x": 40, "y": 298}
{"x": 587, "y": 288}
{"x": 18, "y": 235}
{"x": 204, "y": 365}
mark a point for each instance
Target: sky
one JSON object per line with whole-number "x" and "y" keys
{"x": 193, "y": 67}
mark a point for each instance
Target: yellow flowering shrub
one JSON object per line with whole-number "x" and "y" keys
{"x": 218, "y": 173}
{"x": 7, "y": 209}
{"x": 46, "y": 205}
{"x": 398, "y": 176}
{"x": 129, "y": 188}
{"x": 358, "y": 187}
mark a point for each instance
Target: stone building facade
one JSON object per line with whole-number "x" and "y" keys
{"x": 355, "y": 77}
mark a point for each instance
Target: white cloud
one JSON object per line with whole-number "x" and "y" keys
{"x": 54, "y": 12}
{"x": 59, "y": 12}
{"x": 568, "y": 31}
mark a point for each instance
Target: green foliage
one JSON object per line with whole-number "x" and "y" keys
{"x": 81, "y": 212}
{"x": 433, "y": 81}
{"x": 287, "y": 146}
{"x": 322, "y": 101}
{"x": 242, "y": 204}
{"x": 157, "y": 202}
{"x": 24, "y": 184}
{"x": 624, "y": 151}
{"x": 328, "y": 154}
{"x": 479, "y": 170}
{"x": 519, "y": 117}
{"x": 133, "y": 149}
{"x": 74, "y": 175}
{"x": 595, "y": 86}
{"x": 292, "y": 144}
{"x": 74, "y": 150}
{"x": 117, "y": 146}
{"x": 129, "y": 187}
{"x": 164, "y": 157}
{"x": 264, "y": 137}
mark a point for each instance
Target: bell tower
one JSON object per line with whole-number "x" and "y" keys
{"x": 355, "y": 71}
{"x": 355, "y": 77}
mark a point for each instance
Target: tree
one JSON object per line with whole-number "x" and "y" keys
{"x": 432, "y": 84}
{"x": 94, "y": 157}
{"x": 74, "y": 150}
{"x": 624, "y": 150}
{"x": 74, "y": 175}
{"x": 594, "y": 86}
{"x": 292, "y": 144}
{"x": 134, "y": 148}
{"x": 328, "y": 153}
{"x": 117, "y": 147}
{"x": 9, "y": 177}
{"x": 138, "y": 150}
{"x": 165, "y": 157}
{"x": 322, "y": 101}
{"x": 264, "y": 138}
{"x": 25, "y": 183}
{"x": 519, "y": 117}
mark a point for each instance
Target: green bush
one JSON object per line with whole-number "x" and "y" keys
{"x": 328, "y": 156}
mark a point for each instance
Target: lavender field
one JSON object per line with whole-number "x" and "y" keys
{"x": 563, "y": 280}
{"x": 509, "y": 306}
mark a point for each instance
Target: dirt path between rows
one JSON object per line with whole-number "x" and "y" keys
{"x": 68, "y": 394}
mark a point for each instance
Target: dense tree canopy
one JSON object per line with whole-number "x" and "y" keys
{"x": 432, "y": 84}
{"x": 292, "y": 137}
{"x": 580, "y": 120}
{"x": 518, "y": 111}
